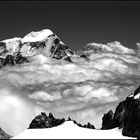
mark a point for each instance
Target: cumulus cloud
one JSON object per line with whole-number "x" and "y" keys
{"x": 44, "y": 96}
{"x": 113, "y": 47}
{"x": 83, "y": 90}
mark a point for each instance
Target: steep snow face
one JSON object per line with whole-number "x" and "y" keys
{"x": 37, "y": 36}
{"x": 69, "y": 130}
{"x": 114, "y": 47}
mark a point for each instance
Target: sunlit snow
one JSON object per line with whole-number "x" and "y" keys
{"x": 37, "y": 36}
{"x": 69, "y": 130}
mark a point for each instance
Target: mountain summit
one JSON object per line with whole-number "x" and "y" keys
{"x": 17, "y": 50}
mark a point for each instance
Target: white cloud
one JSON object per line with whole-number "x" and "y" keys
{"x": 114, "y": 47}
{"x": 44, "y": 96}
{"x": 83, "y": 90}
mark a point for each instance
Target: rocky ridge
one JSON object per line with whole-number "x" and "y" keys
{"x": 44, "y": 121}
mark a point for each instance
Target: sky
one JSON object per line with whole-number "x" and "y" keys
{"x": 75, "y": 22}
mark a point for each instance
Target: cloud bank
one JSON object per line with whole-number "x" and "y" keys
{"x": 83, "y": 89}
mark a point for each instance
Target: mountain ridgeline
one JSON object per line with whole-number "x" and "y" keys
{"x": 44, "y": 121}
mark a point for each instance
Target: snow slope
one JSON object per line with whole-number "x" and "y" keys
{"x": 37, "y": 36}
{"x": 69, "y": 130}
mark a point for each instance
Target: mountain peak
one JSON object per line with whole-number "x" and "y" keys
{"x": 43, "y": 42}
{"x": 37, "y": 36}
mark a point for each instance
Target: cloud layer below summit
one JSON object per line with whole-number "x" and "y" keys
{"x": 83, "y": 90}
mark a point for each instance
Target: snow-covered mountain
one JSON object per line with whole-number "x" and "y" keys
{"x": 39, "y": 73}
{"x": 45, "y": 42}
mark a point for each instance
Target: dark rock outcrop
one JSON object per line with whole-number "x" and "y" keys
{"x": 9, "y": 60}
{"x": 88, "y": 125}
{"x": 132, "y": 118}
{"x": 37, "y": 45}
{"x": 44, "y": 121}
{"x": 3, "y": 135}
{"x": 12, "y": 60}
{"x": 68, "y": 59}
{"x": 126, "y": 116}
{"x": 107, "y": 120}
{"x": 119, "y": 116}
{"x": 19, "y": 59}
{"x": 2, "y": 47}
{"x": 60, "y": 52}
{"x": 83, "y": 56}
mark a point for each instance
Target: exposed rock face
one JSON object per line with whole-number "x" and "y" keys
{"x": 126, "y": 116}
{"x": 12, "y": 60}
{"x": 3, "y": 135}
{"x": 119, "y": 116}
{"x": 44, "y": 121}
{"x": 17, "y": 50}
{"x": 107, "y": 120}
{"x": 88, "y": 125}
{"x": 132, "y": 118}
